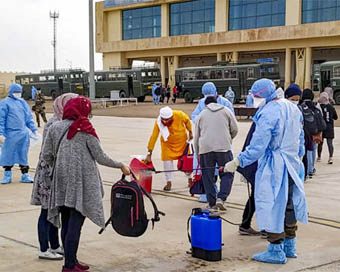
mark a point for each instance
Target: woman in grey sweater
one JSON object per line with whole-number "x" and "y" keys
{"x": 47, "y": 233}
{"x": 73, "y": 148}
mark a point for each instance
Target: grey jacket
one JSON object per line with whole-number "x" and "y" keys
{"x": 215, "y": 128}
{"x": 42, "y": 181}
{"x": 76, "y": 181}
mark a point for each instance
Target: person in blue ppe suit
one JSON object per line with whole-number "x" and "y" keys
{"x": 230, "y": 95}
{"x": 33, "y": 92}
{"x": 15, "y": 120}
{"x": 154, "y": 95}
{"x": 208, "y": 89}
{"x": 277, "y": 144}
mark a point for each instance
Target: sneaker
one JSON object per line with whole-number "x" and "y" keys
{"x": 212, "y": 209}
{"x": 264, "y": 234}
{"x": 310, "y": 176}
{"x": 318, "y": 159}
{"x": 330, "y": 161}
{"x": 220, "y": 204}
{"x": 48, "y": 255}
{"x": 249, "y": 231}
{"x": 59, "y": 250}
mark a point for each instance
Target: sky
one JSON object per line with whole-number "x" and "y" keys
{"x": 26, "y": 33}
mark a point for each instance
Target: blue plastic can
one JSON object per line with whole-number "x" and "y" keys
{"x": 206, "y": 236}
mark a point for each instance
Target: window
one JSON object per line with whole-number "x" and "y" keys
{"x": 233, "y": 73}
{"x": 336, "y": 71}
{"x": 251, "y": 72}
{"x": 256, "y": 13}
{"x": 212, "y": 74}
{"x": 51, "y": 78}
{"x": 189, "y": 75}
{"x": 320, "y": 11}
{"x": 227, "y": 74}
{"x": 42, "y": 78}
{"x": 192, "y": 17}
{"x": 205, "y": 75}
{"x": 142, "y": 23}
{"x": 219, "y": 74}
{"x": 143, "y": 74}
{"x": 25, "y": 80}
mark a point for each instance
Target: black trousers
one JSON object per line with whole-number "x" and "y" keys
{"x": 47, "y": 233}
{"x": 210, "y": 160}
{"x": 24, "y": 168}
{"x": 249, "y": 210}
{"x": 72, "y": 223}
{"x": 290, "y": 220}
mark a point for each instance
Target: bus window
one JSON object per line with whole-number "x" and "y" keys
{"x": 233, "y": 73}
{"x": 31, "y": 79}
{"x": 227, "y": 74}
{"x": 219, "y": 74}
{"x": 25, "y": 80}
{"x": 251, "y": 72}
{"x": 72, "y": 76}
{"x": 336, "y": 71}
{"x": 189, "y": 75}
{"x": 50, "y": 78}
{"x": 76, "y": 76}
{"x": 143, "y": 74}
{"x": 155, "y": 74}
{"x": 205, "y": 74}
{"x": 42, "y": 78}
{"x": 134, "y": 75}
{"x": 149, "y": 74}
{"x": 212, "y": 74}
{"x": 199, "y": 75}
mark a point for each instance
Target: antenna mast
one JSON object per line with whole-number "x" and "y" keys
{"x": 54, "y": 15}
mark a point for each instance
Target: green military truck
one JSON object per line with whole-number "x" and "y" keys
{"x": 330, "y": 77}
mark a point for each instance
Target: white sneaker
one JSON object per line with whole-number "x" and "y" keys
{"x": 220, "y": 204}
{"x": 48, "y": 255}
{"x": 59, "y": 250}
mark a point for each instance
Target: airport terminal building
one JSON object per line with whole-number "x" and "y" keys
{"x": 178, "y": 33}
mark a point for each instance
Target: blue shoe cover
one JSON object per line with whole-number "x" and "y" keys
{"x": 203, "y": 199}
{"x": 26, "y": 178}
{"x": 274, "y": 254}
{"x": 7, "y": 177}
{"x": 290, "y": 248}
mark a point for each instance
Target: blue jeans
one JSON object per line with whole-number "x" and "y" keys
{"x": 311, "y": 155}
{"x": 209, "y": 160}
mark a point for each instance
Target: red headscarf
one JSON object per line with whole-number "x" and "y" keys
{"x": 78, "y": 109}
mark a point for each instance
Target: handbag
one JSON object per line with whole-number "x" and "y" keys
{"x": 197, "y": 186}
{"x": 186, "y": 161}
{"x": 317, "y": 138}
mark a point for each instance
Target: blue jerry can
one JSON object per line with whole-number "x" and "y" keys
{"x": 206, "y": 236}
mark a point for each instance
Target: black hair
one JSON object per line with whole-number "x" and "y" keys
{"x": 210, "y": 99}
{"x": 38, "y": 89}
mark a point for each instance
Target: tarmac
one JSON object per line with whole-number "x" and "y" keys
{"x": 165, "y": 247}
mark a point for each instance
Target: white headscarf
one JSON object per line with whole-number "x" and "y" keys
{"x": 280, "y": 93}
{"x": 164, "y": 113}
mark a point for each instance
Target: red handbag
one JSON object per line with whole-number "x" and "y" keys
{"x": 186, "y": 161}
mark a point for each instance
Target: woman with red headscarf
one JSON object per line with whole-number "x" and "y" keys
{"x": 72, "y": 146}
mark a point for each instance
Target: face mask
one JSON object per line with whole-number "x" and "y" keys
{"x": 259, "y": 102}
{"x": 17, "y": 95}
{"x": 294, "y": 102}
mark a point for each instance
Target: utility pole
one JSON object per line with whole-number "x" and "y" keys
{"x": 54, "y": 15}
{"x": 91, "y": 55}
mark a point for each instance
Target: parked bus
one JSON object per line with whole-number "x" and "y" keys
{"x": 239, "y": 76}
{"x": 330, "y": 77}
{"x": 53, "y": 84}
{"x": 134, "y": 82}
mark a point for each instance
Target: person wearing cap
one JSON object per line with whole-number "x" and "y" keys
{"x": 15, "y": 122}
{"x": 175, "y": 129}
{"x": 293, "y": 93}
{"x": 277, "y": 144}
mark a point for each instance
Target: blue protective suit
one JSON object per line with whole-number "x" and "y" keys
{"x": 201, "y": 106}
{"x": 15, "y": 120}
{"x": 230, "y": 95}
{"x": 277, "y": 144}
{"x": 34, "y": 91}
{"x": 249, "y": 101}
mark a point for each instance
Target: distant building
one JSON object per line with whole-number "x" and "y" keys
{"x": 175, "y": 33}
{"x": 6, "y": 79}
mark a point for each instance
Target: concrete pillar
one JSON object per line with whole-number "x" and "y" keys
{"x": 163, "y": 69}
{"x": 176, "y": 62}
{"x": 293, "y": 12}
{"x": 219, "y": 56}
{"x": 235, "y": 57}
{"x": 308, "y": 73}
{"x": 288, "y": 67}
{"x": 165, "y": 20}
{"x": 300, "y": 55}
{"x": 221, "y": 15}
{"x": 114, "y": 28}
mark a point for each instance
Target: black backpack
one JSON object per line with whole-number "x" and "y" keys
{"x": 158, "y": 91}
{"x": 320, "y": 121}
{"x": 309, "y": 121}
{"x": 128, "y": 215}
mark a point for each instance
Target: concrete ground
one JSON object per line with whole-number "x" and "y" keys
{"x": 165, "y": 247}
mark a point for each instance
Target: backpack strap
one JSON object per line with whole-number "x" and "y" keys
{"x": 156, "y": 217}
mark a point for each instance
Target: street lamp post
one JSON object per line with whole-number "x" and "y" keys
{"x": 91, "y": 55}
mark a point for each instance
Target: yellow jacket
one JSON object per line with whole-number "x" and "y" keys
{"x": 173, "y": 148}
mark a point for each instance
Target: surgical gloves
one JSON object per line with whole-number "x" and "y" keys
{"x": 232, "y": 165}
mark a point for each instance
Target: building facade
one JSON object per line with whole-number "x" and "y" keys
{"x": 177, "y": 33}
